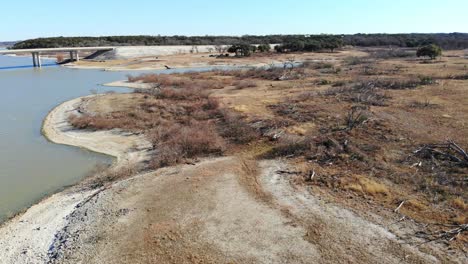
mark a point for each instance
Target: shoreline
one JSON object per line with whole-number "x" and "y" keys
{"x": 156, "y": 68}
{"x": 27, "y": 236}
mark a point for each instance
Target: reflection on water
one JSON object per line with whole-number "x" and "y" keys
{"x": 26, "y": 66}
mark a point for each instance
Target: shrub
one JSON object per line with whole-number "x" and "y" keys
{"x": 361, "y": 92}
{"x": 103, "y": 174}
{"x": 264, "y": 48}
{"x": 59, "y": 58}
{"x": 432, "y": 51}
{"x": 234, "y": 127}
{"x": 354, "y": 60}
{"x": 324, "y": 82}
{"x": 426, "y": 80}
{"x": 198, "y": 138}
{"x": 392, "y": 53}
{"x": 318, "y": 65}
{"x": 175, "y": 143}
{"x": 290, "y": 146}
{"x": 242, "y": 50}
{"x": 245, "y": 84}
{"x": 181, "y": 94}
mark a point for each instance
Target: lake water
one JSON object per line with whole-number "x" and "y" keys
{"x": 30, "y": 166}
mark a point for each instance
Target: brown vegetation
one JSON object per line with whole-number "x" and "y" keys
{"x": 364, "y": 134}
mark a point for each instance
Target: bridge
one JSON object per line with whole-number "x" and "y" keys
{"x": 36, "y": 53}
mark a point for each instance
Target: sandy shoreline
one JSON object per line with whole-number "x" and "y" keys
{"x": 27, "y": 237}
{"x": 150, "y": 68}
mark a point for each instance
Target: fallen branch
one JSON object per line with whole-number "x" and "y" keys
{"x": 399, "y": 206}
{"x": 446, "y": 151}
{"x": 448, "y": 235}
{"x": 310, "y": 175}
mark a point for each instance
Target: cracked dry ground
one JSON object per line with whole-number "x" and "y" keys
{"x": 225, "y": 210}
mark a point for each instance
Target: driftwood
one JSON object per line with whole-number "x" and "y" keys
{"x": 447, "y": 235}
{"x": 399, "y": 206}
{"x": 447, "y": 151}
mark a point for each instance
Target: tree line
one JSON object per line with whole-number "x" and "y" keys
{"x": 287, "y": 42}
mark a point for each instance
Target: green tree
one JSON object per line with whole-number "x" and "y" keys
{"x": 432, "y": 51}
{"x": 242, "y": 50}
{"x": 332, "y": 43}
{"x": 263, "y": 48}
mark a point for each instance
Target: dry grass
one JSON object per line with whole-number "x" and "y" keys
{"x": 303, "y": 114}
{"x": 366, "y": 186}
{"x": 459, "y": 203}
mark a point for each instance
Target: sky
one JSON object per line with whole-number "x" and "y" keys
{"x": 47, "y": 18}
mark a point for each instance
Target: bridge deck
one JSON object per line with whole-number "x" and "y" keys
{"x": 16, "y": 51}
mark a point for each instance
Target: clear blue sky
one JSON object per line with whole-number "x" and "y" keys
{"x": 43, "y": 18}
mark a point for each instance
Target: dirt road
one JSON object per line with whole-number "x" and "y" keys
{"x": 222, "y": 211}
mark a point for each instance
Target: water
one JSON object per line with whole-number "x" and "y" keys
{"x": 30, "y": 166}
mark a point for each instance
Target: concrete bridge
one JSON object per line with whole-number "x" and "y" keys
{"x": 36, "y": 53}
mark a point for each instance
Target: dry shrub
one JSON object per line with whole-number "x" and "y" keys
{"x": 361, "y": 92}
{"x": 103, "y": 174}
{"x": 81, "y": 122}
{"x": 421, "y": 104}
{"x": 356, "y": 116}
{"x": 300, "y": 112}
{"x": 98, "y": 122}
{"x": 458, "y": 77}
{"x": 181, "y": 94}
{"x": 59, "y": 57}
{"x": 392, "y": 53}
{"x": 233, "y": 126}
{"x": 318, "y": 65}
{"x": 266, "y": 73}
{"x": 291, "y": 146}
{"x": 198, "y": 139}
{"x": 187, "y": 80}
{"x": 244, "y": 84}
{"x": 354, "y": 60}
{"x": 176, "y": 143}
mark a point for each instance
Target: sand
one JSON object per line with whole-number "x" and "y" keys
{"x": 27, "y": 237}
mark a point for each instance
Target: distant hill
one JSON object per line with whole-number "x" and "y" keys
{"x": 445, "y": 40}
{"x": 7, "y": 43}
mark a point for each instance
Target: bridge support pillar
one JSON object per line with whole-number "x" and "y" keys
{"x": 34, "y": 59}
{"x": 71, "y": 55}
{"x": 38, "y": 58}
{"x": 77, "y": 56}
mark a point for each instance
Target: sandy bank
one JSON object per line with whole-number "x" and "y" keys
{"x": 28, "y": 237}
{"x": 127, "y": 84}
{"x": 123, "y": 146}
